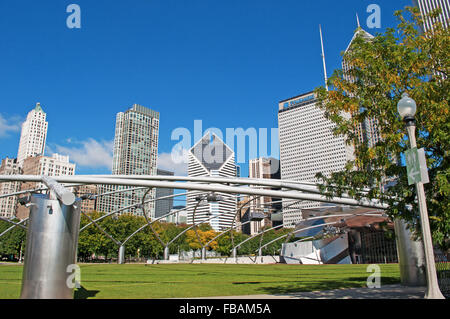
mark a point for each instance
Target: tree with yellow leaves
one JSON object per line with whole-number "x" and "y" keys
{"x": 205, "y": 236}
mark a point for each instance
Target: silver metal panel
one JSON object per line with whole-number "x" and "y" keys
{"x": 121, "y": 259}
{"x": 52, "y": 240}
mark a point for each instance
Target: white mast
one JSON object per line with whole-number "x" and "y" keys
{"x": 323, "y": 58}
{"x": 357, "y": 20}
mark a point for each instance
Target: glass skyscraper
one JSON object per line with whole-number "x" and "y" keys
{"x": 135, "y": 153}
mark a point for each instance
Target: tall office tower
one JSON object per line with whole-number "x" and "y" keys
{"x": 211, "y": 157}
{"x": 163, "y": 206}
{"x": 135, "y": 153}
{"x": 9, "y": 166}
{"x": 33, "y": 135}
{"x": 265, "y": 167}
{"x": 427, "y": 6}
{"x": 307, "y": 146}
{"x": 55, "y": 165}
{"x": 367, "y": 131}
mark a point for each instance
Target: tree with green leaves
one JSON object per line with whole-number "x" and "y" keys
{"x": 402, "y": 59}
{"x": 13, "y": 242}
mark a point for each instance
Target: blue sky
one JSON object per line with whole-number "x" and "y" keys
{"x": 227, "y": 63}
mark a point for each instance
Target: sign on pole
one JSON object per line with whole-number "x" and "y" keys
{"x": 416, "y": 166}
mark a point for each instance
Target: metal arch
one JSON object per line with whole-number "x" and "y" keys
{"x": 226, "y": 231}
{"x": 117, "y": 242}
{"x": 315, "y": 226}
{"x": 14, "y": 223}
{"x": 298, "y": 231}
{"x": 155, "y": 220}
{"x": 238, "y": 211}
{"x": 146, "y": 217}
{"x": 14, "y": 226}
{"x": 184, "y": 231}
{"x": 286, "y": 206}
{"x": 129, "y": 206}
{"x": 233, "y": 227}
{"x": 193, "y": 219}
{"x": 202, "y": 222}
{"x": 256, "y": 235}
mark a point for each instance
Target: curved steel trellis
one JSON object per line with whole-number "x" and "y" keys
{"x": 14, "y": 226}
{"x": 233, "y": 227}
{"x": 316, "y": 226}
{"x": 212, "y": 185}
{"x": 11, "y": 222}
{"x": 204, "y": 187}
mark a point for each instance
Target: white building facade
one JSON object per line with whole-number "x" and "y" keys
{"x": 307, "y": 147}
{"x": 428, "y": 6}
{"x": 33, "y": 134}
{"x": 8, "y": 204}
{"x": 211, "y": 157}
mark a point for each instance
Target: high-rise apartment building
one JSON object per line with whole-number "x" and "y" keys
{"x": 428, "y": 6}
{"x": 135, "y": 153}
{"x": 8, "y": 204}
{"x": 307, "y": 147}
{"x": 210, "y": 156}
{"x": 163, "y": 206}
{"x": 33, "y": 134}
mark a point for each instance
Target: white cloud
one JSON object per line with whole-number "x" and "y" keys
{"x": 89, "y": 153}
{"x": 176, "y": 161}
{"x": 12, "y": 125}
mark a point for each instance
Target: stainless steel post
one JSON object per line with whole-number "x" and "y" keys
{"x": 203, "y": 253}
{"x": 121, "y": 256}
{"x": 166, "y": 253}
{"x": 52, "y": 240}
{"x": 411, "y": 257}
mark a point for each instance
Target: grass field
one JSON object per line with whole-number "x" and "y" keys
{"x": 138, "y": 281}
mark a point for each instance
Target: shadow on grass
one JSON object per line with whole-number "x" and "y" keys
{"x": 83, "y": 293}
{"x": 307, "y": 286}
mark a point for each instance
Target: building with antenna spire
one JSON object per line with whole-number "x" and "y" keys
{"x": 307, "y": 147}
{"x": 33, "y": 134}
{"x": 323, "y": 59}
{"x": 367, "y": 131}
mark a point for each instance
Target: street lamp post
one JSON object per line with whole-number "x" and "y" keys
{"x": 407, "y": 109}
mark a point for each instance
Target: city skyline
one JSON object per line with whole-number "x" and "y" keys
{"x": 193, "y": 84}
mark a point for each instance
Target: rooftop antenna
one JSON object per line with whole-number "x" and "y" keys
{"x": 357, "y": 20}
{"x": 323, "y": 58}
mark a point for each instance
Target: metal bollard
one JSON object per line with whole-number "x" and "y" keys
{"x": 166, "y": 253}
{"x": 52, "y": 240}
{"x": 411, "y": 256}
{"x": 203, "y": 253}
{"x": 121, "y": 257}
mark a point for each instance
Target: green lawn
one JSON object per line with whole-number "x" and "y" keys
{"x": 201, "y": 280}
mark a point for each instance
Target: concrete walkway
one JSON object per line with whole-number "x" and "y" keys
{"x": 384, "y": 292}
